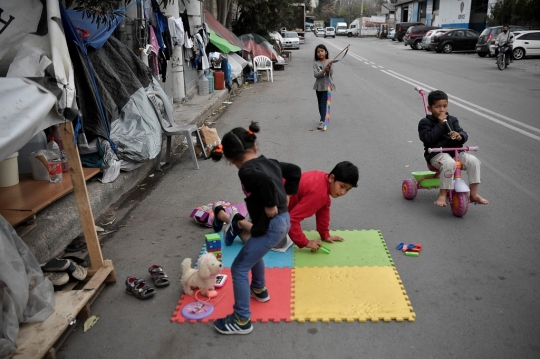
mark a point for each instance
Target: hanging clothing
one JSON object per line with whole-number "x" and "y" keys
{"x": 185, "y": 21}
{"x": 152, "y": 40}
{"x": 179, "y": 29}
{"x": 203, "y": 58}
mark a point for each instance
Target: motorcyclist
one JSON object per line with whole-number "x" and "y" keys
{"x": 507, "y": 37}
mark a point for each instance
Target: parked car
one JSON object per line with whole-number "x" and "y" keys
{"x": 413, "y": 36}
{"x": 402, "y": 27}
{"x": 489, "y": 35}
{"x": 391, "y": 34}
{"x": 526, "y": 43}
{"x": 427, "y": 37}
{"x": 329, "y": 32}
{"x": 319, "y": 31}
{"x": 455, "y": 40}
{"x": 290, "y": 40}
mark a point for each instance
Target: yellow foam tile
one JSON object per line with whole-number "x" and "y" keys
{"x": 349, "y": 294}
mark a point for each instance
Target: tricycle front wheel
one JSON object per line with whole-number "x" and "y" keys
{"x": 460, "y": 203}
{"x": 409, "y": 188}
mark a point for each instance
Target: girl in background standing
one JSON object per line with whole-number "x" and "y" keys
{"x": 322, "y": 68}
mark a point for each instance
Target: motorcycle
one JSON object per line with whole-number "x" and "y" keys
{"x": 502, "y": 59}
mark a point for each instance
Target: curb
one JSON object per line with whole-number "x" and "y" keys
{"x": 59, "y": 223}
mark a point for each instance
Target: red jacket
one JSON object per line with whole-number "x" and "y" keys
{"x": 313, "y": 198}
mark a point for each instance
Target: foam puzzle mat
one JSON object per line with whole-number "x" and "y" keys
{"x": 356, "y": 281}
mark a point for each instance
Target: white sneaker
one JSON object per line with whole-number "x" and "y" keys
{"x": 321, "y": 126}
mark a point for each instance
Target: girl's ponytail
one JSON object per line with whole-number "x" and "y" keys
{"x": 217, "y": 153}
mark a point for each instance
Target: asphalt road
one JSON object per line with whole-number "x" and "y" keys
{"x": 475, "y": 287}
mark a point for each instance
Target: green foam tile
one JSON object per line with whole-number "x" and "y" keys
{"x": 360, "y": 248}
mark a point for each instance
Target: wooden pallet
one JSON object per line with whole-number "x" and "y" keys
{"x": 43, "y": 339}
{"x": 38, "y": 340}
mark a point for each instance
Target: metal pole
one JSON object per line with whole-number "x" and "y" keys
{"x": 361, "y": 18}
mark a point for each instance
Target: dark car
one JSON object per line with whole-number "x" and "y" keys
{"x": 488, "y": 37}
{"x": 455, "y": 40}
{"x": 413, "y": 36}
{"x": 402, "y": 27}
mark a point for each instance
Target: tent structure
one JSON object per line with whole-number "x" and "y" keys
{"x": 40, "y": 92}
{"x": 224, "y": 37}
{"x": 258, "y": 45}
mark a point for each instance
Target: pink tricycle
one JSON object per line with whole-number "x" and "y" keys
{"x": 459, "y": 196}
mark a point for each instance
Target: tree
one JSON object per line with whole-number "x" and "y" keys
{"x": 517, "y": 12}
{"x": 261, "y": 16}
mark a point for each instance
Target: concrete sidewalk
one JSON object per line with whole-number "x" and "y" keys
{"x": 58, "y": 224}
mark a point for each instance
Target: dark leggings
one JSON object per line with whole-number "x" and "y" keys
{"x": 322, "y": 97}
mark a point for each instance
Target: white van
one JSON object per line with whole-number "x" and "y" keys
{"x": 341, "y": 28}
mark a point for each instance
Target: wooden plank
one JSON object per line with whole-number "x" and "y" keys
{"x": 99, "y": 277}
{"x": 81, "y": 197}
{"x": 36, "y": 339}
{"x": 26, "y": 198}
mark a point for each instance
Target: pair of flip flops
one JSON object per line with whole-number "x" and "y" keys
{"x": 138, "y": 288}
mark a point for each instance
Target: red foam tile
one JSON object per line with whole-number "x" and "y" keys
{"x": 278, "y": 308}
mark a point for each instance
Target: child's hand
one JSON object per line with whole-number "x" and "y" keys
{"x": 333, "y": 239}
{"x": 455, "y": 136}
{"x": 271, "y": 212}
{"x": 314, "y": 244}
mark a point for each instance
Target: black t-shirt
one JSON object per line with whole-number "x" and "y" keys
{"x": 266, "y": 183}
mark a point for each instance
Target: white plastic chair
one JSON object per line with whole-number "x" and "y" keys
{"x": 263, "y": 63}
{"x": 174, "y": 130}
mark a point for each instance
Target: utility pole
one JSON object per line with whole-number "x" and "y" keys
{"x": 361, "y": 18}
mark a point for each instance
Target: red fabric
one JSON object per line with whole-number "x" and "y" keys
{"x": 313, "y": 198}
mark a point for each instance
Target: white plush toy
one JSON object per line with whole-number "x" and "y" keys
{"x": 204, "y": 277}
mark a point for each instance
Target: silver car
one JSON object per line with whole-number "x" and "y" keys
{"x": 291, "y": 40}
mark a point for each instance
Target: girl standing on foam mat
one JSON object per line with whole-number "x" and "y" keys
{"x": 266, "y": 199}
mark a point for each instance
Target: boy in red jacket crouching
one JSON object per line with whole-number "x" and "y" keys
{"x": 314, "y": 197}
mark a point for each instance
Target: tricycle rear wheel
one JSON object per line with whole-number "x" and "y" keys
{"x": 409, "y": 188}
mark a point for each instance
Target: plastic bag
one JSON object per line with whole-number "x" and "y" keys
{"x": 25, "y": 295}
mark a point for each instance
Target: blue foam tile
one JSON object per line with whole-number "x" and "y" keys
{"x": 272, "y": 259}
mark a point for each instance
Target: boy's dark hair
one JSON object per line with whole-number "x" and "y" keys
{"x": 236, "y": 142}
{"x": 435, "y": 96}
{"x": 346, "y": 172}
{"x": 321, "y": 46}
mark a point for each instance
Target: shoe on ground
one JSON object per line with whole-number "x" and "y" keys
{"x": 76, "y": 272}
{"x": 321, "y": 126}
{"x": 56, "y": 265}
{"x": 217, "y": 225}
{"x": 57, "y": 278}
{"x": 261, "y": 295}
{"x": 233, "y": 230}
{"x": 230, "y": 325}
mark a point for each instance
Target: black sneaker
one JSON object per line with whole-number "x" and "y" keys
{"x": 217, "y": 225}
{"x": 230, "y": 325}
{"x": 262, "y": 296}
{"x": 233, "y": 230}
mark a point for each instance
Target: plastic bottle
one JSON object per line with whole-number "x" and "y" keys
{"x": 58, "y": 139}
{"x": 210, "y": 78}
{"x": 54, "y": 161}
{"x": 203, "y": 85}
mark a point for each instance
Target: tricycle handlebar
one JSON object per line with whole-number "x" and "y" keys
{"x": 442, "y": 149}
